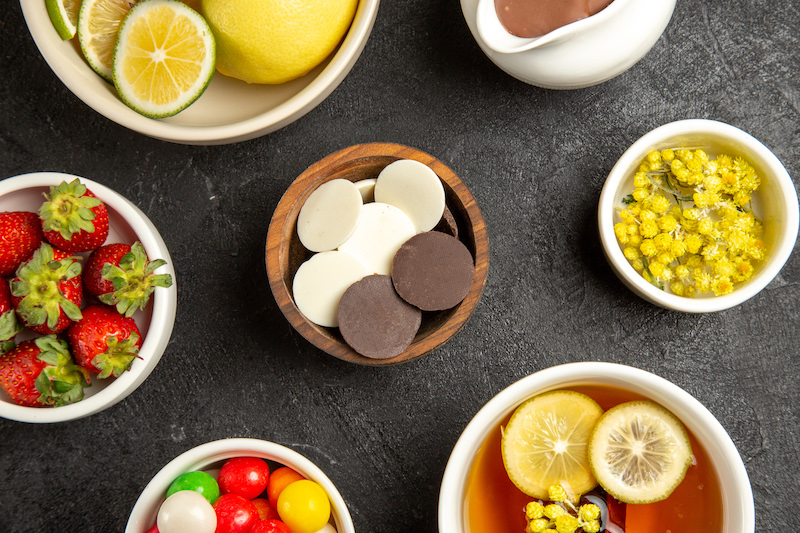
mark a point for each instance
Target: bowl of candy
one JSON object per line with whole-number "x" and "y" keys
{"x": 240, "y": 485}
{"x": 240, "y": 85}
{"x": 87, "y": 299}
{"x": 377, "y": 254}
{"x": 587, "y": 447}
{"x": 697, "y": 216}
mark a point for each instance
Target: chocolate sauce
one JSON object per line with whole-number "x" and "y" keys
{"x": 534, "y": 18}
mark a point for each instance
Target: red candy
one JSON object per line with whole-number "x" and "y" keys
{"x": 235, "y": 514}
{"x": 245, "y": 476}
{"x": 270, "y": 526}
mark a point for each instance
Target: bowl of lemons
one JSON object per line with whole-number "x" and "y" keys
{"x": 241, "y": 68}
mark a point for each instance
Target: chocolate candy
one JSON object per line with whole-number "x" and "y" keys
{"x": 320, "y": 282}
{"x": 414, "y": 188}
{"x": 433, "y": 271}
{"x": 448, "y": 223}
{"x": 381, "y": 230}
{"x": 375, "y": 321}
{"x": 329, "y": 216}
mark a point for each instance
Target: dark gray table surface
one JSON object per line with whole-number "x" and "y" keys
{"x": 535, "y": 160}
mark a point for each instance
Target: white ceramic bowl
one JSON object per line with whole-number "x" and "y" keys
{"x": 737, "y": 497}
{"x": 210, "y": 456}
{"x": 775, "y": 203}
{"x": 126, "y": 224}
{"x": 581, "y": 54}
{"x": 229, "y": 111}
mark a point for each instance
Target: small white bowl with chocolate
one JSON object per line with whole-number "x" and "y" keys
{"x": 566, "y": 45}
{"x": 348, "y": 254}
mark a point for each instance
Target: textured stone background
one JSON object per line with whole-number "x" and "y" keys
{"x": 535, "y": 160}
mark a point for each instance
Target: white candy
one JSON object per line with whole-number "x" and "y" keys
{"x": 367, "y": 189}
{"x": 186, "y": 511}
{"x": 329, "y": 215}
{"x": 320, "y": 282}
{"x": 382, "y": 230}
{"x": 416, "y": 189}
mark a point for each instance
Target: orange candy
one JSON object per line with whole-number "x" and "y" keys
{"x": 278, "y": 481}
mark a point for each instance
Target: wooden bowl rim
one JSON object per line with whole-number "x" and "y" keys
{"x": 322, "y": 171}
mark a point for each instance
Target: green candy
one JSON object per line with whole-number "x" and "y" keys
{"x": 200, "y": 482}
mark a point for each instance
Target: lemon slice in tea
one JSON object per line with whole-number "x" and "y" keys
{"x": 98, "y": 25}
{"x": 64, "y": 16}
{"x": 164, "y": 58}
{"x": 545, "y": 443}
{"x": 639, "y": 452}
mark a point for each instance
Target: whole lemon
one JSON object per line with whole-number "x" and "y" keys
{"x": 274, "y": 41}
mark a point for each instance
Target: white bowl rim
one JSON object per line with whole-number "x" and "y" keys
{"x": 284, "y": 114}
{"x": 633, "y": 155}
{"x": 201, "y": 456}
{"x": 681, "y": 403}
{"x": 161, "y": 323}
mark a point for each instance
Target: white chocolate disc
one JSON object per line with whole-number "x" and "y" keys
{"x": 320, "y": 282}
{"x": 416, "y": 189}
{"x": 186, "y": 511}
{"x": 381, "y": 231}
{"x": 367, "y": 189}
{"x": 329, "y": 215}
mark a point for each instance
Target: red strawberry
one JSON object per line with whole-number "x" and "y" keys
{"x": 104, "y": 342}
{"x": 40, "y": 372}
{"x": 73, "y": 219}
{"x": 9, "y": 326}
{"x": 122, "y": 276}
{"x": 20, "y": 235}
{"x": 47, "y": 292}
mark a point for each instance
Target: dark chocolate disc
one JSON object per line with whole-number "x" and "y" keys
{"x": 433, "y": 271}
{"x": 448, "y": 223}
{"x": 375, "y": 321}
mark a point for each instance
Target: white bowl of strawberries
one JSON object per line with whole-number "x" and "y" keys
{"x": 87, "y": 298}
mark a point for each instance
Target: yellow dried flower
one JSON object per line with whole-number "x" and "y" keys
{"x": 592, "y": 527}
{"x": 553, "y": 511}
{"x": 648, "y": 229}
{"x": 538, "y": 525}
{"x": 566, "y": 523}
{"x": 667, "y": 223}
{"x": 534, "y": 510}
{"x": 656, "y": 268}
{"x": 589, "y": 512}
{"x": 660, "y": 204}
{"x": 557, "y": 493}
{"x": 678, "y": 288}
{"x": 722, "y": 286}
{"x": 677, "y": 248}
{"x": 648, "y": 247}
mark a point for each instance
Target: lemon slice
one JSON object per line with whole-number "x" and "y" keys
{"x": 164, "y": 58}
{"x": 639, "y": 452}
{"x": 545, "y": 443}
{"x": 64, "y": 16}
{"x": 98, "y": 24}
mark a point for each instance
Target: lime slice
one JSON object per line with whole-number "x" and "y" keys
{"x": 164, "y": 58}
{"x": 98, "y": 24}
{"x": 64, "y": 16}
{"x": 545, "y": 443}
{"x": 639, "y": 452}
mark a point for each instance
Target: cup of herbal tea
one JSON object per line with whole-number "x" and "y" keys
{"x": 596, "y": 447}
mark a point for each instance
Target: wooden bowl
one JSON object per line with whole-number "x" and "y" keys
{"x": 285, "y": 254}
